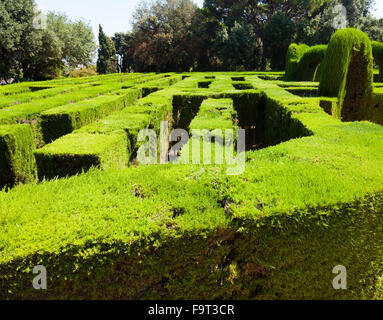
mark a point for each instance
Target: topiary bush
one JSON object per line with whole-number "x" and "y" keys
{"x": 377, "y": 51}
{"x": 17, "y": 163}
{"x": 347, "y": 72}
{"x": 294, "y": 54}
{"x": 309, "y": 66}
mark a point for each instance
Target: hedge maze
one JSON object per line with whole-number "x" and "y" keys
{"x": 77, "y": 201}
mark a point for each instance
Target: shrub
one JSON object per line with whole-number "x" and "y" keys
{"x": 153, "y": 86}
{"x": 347, "y": 72}
{"x": 63, "y": 120}
{"x": 32, "y": 95}
{"x": 191, "y": 232}
{"x": 309, "y": 65}
{"x": 294, "y": 54}
{"x": 166, "y": 232}
{"x": 377, "y": 51}
{"x": 75, "y": 153}
{"x": 185, "y": 108}
{"x": 30, "y": 111}
{"x": 83, "y": 72}
{"x": 17, "y": 163}
{"x": 99, "y": 144}
{"x": 129, "y": 120}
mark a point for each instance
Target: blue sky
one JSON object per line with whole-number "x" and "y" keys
{"x": 379, "y": 9}
{"x": 114, "y": 15}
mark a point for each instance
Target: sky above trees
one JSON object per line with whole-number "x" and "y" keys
{"x": 113, "y": 15}
{"x": 379, "y": 9}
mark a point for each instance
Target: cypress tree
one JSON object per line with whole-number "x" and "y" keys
{"x": 104, "y": 53}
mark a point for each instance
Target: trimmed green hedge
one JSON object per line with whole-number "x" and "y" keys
{"x": 31, "y": 111}
{"x": 347, "y": 72}
{"x": 144, "y": 79}
{"x": 215, "y": 114}
{"x": 17, "y": 163}
{"x": 64, "y": 157}
{"x": 277, "y": 231}
{"x": 127, "y": 120}
{"x": 78, "y": 152}
{"x": 7, "y": 90}
{"x": 267, "y": 234}
{"x": 29, "y": 96}
{"x": 63, "y": 120}
{"x": 374, "y": 109}
{"x": 309, "y": 66}
{"x": 294, "y": 54}
{"x": 153, "y": 86}
{"x": 377, "y": 51}
{"x": 185, "y": 108}
{"x": 214, "y": 117}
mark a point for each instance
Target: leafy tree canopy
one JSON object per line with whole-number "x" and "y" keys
{"x": 33, "y": 47}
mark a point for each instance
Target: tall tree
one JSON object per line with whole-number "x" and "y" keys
{"x": 162, "y": 32}
{"x": 31, "y": 50}
{"x": 278, "y": 35}
{"x": 77, "y": 39}
{"x": 105, "y": 52}
{"x": 238, "y": 47}
{"x": 16, "y": 33}
{"x": 123, "y": 44}
{"x": 113, "y": 57}
{"x": 45, "y": 61}
{"x": 260, "y": 14}
{"x": 357, "y": 10}
{"x": 204, "y": 31}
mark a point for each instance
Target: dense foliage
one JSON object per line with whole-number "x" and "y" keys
{"x": 228, "y": 35}
{"x": 347, "y": 72}
{"x": 37, "y": 47}
{"x": 294, "y": 53}
{"x": 309, "y": 200}
{"x": 174, "y": 35}
{"x": 106, "y": 62}
{"x": 377, "y": 51}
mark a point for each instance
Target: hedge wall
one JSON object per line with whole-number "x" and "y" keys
{"x": 29, "y": 111}
{"x": 77, "y": 153}
{"x": 63, "y": 120}
{"x": 277, "y": 231}
{"x": 377, "y": 51}
{"x": 153, "y": 86}
{"x": 309, "y": 66}
{"x": 17, "y": 163}
{"x": 294, "y": 54}
{"x": 347, "y": 72}
{"x": 102, "y": 143}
